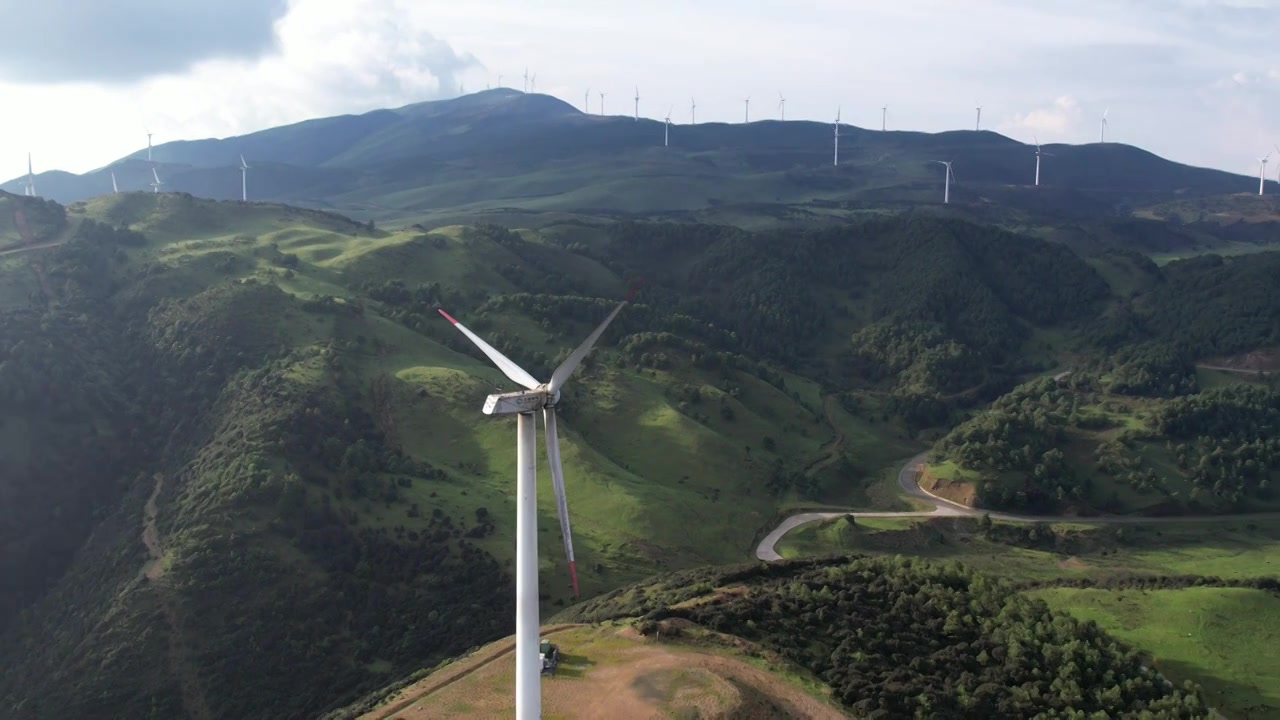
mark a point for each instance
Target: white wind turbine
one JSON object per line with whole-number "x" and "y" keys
{"x": 638, "y": 105}
{"x": 602, "y": 102}
{"x": 746, "y": 109}
{"x": 523, "y": 404}
{"x": 1039, "y": 153}
{"x": 114, "y": 188}
{"x": 533, "y": 82}
{"x": 244, "y": 180}
{"x": 977, "y": 126}
{"x": 155, "y": 183}
{"x": 693, "y": 112}
{"x": 1262, "y": 172}
{"x": 148, "y": 146}
{"x": 782, "y": 106}
{"x": 586, "y": 101}
{"x": 946, "y": 186}
{"x": 526, "y": 79}
{"x": 1103, "y": 136}
{"x": 884, "y": 118}
{"x": 666, "y": 129}
{"x": 29, "y": 189}
{"x": 835, "y": 159}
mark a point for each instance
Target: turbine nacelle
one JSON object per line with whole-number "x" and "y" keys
{"x": 521, "y": 401}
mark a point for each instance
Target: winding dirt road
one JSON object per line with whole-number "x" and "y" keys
{"x": 909, "y": 482}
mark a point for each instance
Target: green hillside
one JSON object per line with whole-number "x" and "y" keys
{"x": 245, "y": 474}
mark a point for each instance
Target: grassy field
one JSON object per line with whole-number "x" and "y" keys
{"x": 1224, "y": 639}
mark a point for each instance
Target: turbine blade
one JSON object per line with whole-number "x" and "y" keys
{"x": 557, "y": 483}
{"x": 508, "y": 368}
{"x": 572, "y": 362}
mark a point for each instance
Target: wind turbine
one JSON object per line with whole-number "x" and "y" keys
{"x": 244, "y": 180}
{"x": 499, "y": 81}
{"x": 526, "y": 79}
{"x": 835, "y": 159}
{"x": 602, "y": 102}
{"x": 523, "y": 404}
{"x": 533, "y": 82}
{"x": 586, "y": 101}
{"x": 155, "y": 185}
{"x": 1262, "y": 172}
{"x": 114, "y": 188}
{"x": 946, "y": 187}
{"x": 30, "y": 188}
{"x": 638, "y": 106}
{"x": 1038, "y": 154}
{"x": 746, "y": 110}
{"x": 666, "y": 130}
{"x": 782, "y": 106}
{"x": 148, "y": 146}
{"x": 693, "y": 112}
{"x": 884, "y": 117}
{"x": 1103, "y": 137}
{"x": 977, "y": 126}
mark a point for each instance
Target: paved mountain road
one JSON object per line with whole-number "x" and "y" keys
{"x": 908, "y": 480}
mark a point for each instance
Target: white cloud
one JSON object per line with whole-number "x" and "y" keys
{"x": 1060, "y": 121}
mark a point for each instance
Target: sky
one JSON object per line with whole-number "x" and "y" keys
{"x": 1198, "y": 81}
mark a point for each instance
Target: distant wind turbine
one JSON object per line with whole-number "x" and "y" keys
{"x": 526, "y": 78}
{"x": 244, "y": 180}
{"x": 114, "y": 188}
{"x": 746, "y": 110}
{"x": 586, "y": 101}
{"x": 638, "y": 106}
{"x": 602, "y": 103}
{"x": 499, "y": 81}
{"x": 782, "y": 106}
{"x": 977, "y": 127}
{"x": 666, "y": 129}
{"x": 1262, "y": 172}
{"x": 533, "y": 82}
{"x": 1039, "y": 153}
{"x": 1103, "y": 137}
{"x": 884, "y": 118}
{"x": 835, "y": 159}
{"x": 155, "y": 184}
{"x": 148, "y": 146}
{"x": 693, "y": 112}
{"x": 946, "y": 186}
{"x": 30, "y": 188}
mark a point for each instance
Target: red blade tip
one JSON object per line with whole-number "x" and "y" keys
{"x": 447, "y": 316}
{"x": 573, "y": 577}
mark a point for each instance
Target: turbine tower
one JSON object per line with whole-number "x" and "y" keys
{"x": 1039, "y": 153}
{"x": 114, "y": 188}
{"x": 155, "y": 184}
{"x": 782, "y": 107}
{"x": 835, "y": 159}
{"x": 586, "y": 101}
{"x": 1103, "y": 137}
{"x": 29, "y": 189}
{"x": 666, "y": 129}
{"x": 533, "y": 82}
{"x": 746, "y": 110}
{"x": 526, "y": 79}
{"x": 244, "y": 180}
{"x": 1262, "y": 172}
{"x": 977, "y": 126}
{"x": 638, "y": 105}
{"x": 602, "y": 103}
{"x": 884, "y": 117}
{"x": 523, "y": 404}
{"x": 946, "y": 184}
{"x": 148, "y": 146}
{"x": 693, "y": 112}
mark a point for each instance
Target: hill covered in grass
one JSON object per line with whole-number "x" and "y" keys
{"x": 501, "y": 149}
{"x": 244, "y": 468}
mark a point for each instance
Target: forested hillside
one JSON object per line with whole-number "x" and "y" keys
{"x": 244, "y": 471}
{"x": 897, "y": 638}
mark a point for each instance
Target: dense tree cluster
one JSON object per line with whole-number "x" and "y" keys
{"x": 897, "y": 638}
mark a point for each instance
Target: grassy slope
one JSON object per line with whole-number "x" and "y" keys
{"x": 645, "y": 480}
{"x": 1222, "y": 638}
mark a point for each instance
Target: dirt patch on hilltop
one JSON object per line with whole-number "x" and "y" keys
{"x": 640, "y": 679}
